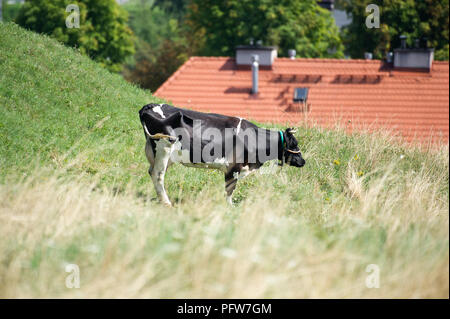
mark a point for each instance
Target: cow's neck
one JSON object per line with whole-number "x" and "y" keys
{"x": 280, "y": 147}
{"x": 273, "y": 139}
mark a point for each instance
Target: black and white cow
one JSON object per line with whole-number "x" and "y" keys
{"x": 207, "y": 140}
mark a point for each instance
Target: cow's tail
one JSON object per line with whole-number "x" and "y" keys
{"x": 156, "y": 136}
{"x": 170, "y": 120}
{"x": 147, "y": 133}
{"x": 141, "y": 117}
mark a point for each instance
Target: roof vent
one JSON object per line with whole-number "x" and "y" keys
{"x": 413, "y": 58}
{"x": 266, "y": 54}
{"x": 300, "y": 95}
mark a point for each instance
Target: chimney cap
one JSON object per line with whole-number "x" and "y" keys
{"x": 244, "y": 53}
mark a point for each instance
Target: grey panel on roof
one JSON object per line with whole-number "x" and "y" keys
{"x": 300, "y": 94}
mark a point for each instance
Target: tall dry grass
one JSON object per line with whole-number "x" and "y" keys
{"x": 285, "y": 239}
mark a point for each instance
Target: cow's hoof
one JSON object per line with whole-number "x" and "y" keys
{"x": 168, "y": 204}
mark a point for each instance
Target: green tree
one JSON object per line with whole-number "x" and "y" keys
{"x": 176, "y": 8}
{"x": 219, "y": 26}
{"x": 160, "y": 40}
{"x": 416, "y": 19}
{"x": 102, "y": 34}
{"x": 151, "y": 24}
{"x": 154, "y": 67}
{"x": 9, "y": 10}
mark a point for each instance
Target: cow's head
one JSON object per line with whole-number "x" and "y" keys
{"x": 292, "y": 154}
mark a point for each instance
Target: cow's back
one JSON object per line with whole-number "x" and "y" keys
{"x": 215, "y": 120}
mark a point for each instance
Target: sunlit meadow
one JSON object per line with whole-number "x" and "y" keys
{"x": 74, "y": 189}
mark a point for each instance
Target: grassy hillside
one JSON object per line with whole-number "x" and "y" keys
{"x": 74, "y": 189}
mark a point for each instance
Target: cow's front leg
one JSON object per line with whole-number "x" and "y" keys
{"x": 230, "y": 185}
{"x": 162, "y": 156}
{"x": 232, "y": 177}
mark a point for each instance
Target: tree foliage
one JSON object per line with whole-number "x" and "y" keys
{"x": 103, "y": 33}
{"x": 161, "y": 42}
{"x": 176, "y": 8}
{"x": 9, "y": 10}
{"x": 219, "y": 26}
{"x": 150, "y": 23}
{"x": 154, "y": 67}
{"x": 415, "y": 19}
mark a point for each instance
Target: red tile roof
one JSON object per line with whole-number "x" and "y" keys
{"x": 357, "y": 92}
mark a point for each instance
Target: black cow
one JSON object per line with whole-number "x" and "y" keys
{"x": 208, "y": 140}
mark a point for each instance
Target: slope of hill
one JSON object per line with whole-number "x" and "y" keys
{"x": 52, "y": 97}
{"x": 74, "y": 189}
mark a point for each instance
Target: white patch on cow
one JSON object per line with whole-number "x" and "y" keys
{"x": 245, "y": 171}
{"x": 239, "y": 125}
{"x": 157, "y": 109}
{"x": 221, "y": 161}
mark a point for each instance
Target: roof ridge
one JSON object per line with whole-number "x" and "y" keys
{"x": 285, "y": 59}
{"x": 441, "y": 62}
{"x": 330, "y": 60}
{"x": 197, "y": 57}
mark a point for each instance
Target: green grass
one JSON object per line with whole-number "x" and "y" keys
{"x": 74, "y": 188}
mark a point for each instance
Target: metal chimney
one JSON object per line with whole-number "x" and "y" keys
{"x": 368, "y": 55}
{"x": 255, "y": 68}
{"x": 291, "y": 54}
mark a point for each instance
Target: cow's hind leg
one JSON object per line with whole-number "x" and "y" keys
{"x": 162, "y": 156}
{"x": 150, "y": 154}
